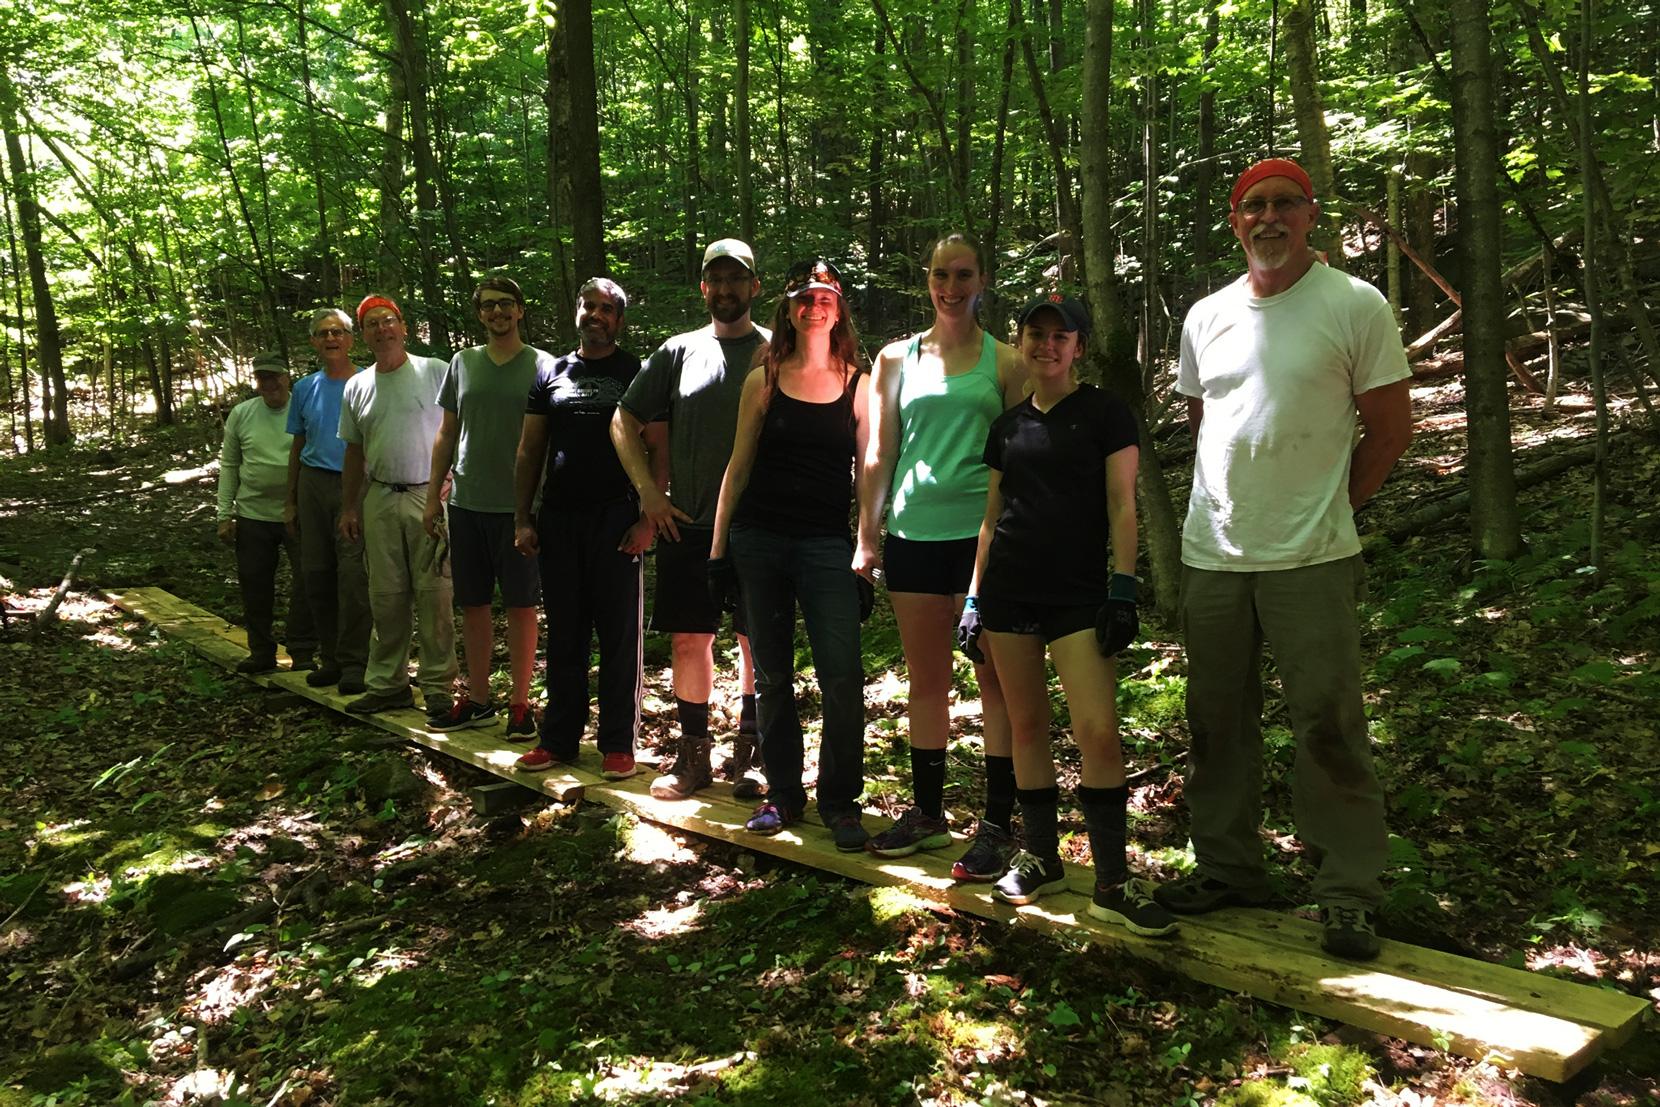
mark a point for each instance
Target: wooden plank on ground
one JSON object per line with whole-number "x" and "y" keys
{"x": 1541, "y": 1025}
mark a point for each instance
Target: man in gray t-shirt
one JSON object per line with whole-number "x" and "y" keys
{"x": 388, "y": 419}
{"x": 483, "y": 402}
{"x": 693, "y": 383}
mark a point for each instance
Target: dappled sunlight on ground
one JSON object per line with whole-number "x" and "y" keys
{"x": 664, "y": 922}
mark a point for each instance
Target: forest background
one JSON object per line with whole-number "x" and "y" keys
{"x": 183, "y": 182}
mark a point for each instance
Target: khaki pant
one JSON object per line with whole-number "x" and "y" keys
{"x": 409, "y": 574}
{"x": 1307, "y": 617}
{"x": 336, "y": 579}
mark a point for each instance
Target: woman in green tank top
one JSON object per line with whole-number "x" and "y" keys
{"x": 933, "y": 398}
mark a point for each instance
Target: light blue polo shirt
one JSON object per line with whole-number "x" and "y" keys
{"x": 314, "y": 411}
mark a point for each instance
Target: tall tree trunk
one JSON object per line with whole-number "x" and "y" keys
{"x": 1112, "y": 344}
{"x": 1495, "y": 525}
{"x": 999, "y": 145}
{"x": 786, "y": 198}
{"x": 48, "y": 341}
{"x": 328, "y": 286}
{"x": 1204, "y": 173}
{"x": 390, "y": 270}
{"x": 15, "y": 268}
{"x": 1420, "y": 230}
{"x": 562, "y": 292}
{"x": 411, "y": 58}
{"x": 1589, "y": 171}
{"x": 740, "y": 110}
{"x": 693, "y": 170}
{"x": 1302, "y": 64}
{"x": 965, "y": 89}
{"x": 1065, "y": 203}
{"x": 588, "y": 214}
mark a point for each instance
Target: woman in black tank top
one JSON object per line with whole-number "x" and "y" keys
{"x": 782, "y": 532}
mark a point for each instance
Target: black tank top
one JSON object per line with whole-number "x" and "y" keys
{"x": 802, "y": 481}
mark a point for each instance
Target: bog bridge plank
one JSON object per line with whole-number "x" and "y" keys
{"x": 1542, "y": 1025}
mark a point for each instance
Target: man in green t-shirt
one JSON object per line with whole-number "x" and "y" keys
{"x": 483, "y": 399}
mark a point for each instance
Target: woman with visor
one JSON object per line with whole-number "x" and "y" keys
{"x": 782, "y": 540}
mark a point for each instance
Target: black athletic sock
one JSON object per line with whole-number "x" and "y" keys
{"x": 1000, "y": 790}
{"x": 747, "y": 719}
{"x": 1104, "y": 816}
{"x": 694, "y": 718}
{"x": 928, "y": 781}
{"x": 1040, "y": 819}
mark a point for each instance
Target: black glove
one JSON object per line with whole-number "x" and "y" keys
{"x": 968, "y": 632}
{"x": 867, "y": 597}
{"x": 1117, "y": 623}
{"x": 723, "y": 584}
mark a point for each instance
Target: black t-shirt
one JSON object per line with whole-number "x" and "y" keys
{"x": 579, "y": 396}
{"x": 1050, "y": 544}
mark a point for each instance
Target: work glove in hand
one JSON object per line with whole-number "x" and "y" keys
{"x": 1118, "y": 622}
{"x": 723, "y": 583}
{"x": 968, "y": 632}
{"x": 867, "y": 597}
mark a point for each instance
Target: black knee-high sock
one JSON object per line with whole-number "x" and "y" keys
{"x": 694, "y": 718}
{"x": 1040, "y": 820}
{"x": 747, "y": 723}
{"x": 928, "y": 781}
{"x": 1000, "y": 789}
{"x": 1104, "y": 810}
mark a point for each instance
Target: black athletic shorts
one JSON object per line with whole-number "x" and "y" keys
{"x": 942, "y": 568}
{"x": 680, "y": 601}
{"x": 1051, "y": 622}
{"x": 482, "y": 555}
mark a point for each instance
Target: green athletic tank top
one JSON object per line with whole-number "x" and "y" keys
{"x": 939, "y": 482}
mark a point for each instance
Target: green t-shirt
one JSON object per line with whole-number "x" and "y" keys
{"x": 940, "y": 479}
{"x": 489, "y": 402}
{"x": 695, "y": 380}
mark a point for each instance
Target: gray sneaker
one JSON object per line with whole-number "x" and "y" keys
{"x": 1349, "y": 932}
{"x": 1131, "y": 906}
{"x": 913, "y": 831}
{"x": 1195, "y": 894}
{"x": 373, "y": 703}
{"x": 988, "y": 857}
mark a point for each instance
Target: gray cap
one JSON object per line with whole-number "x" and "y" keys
{"x": 733, "y": 248}
{"x": 270, "y": 361}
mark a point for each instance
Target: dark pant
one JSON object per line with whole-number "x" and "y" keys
{"x": 776, "y": 572}
{"x": 336, "y": 579}
{"x": 590, "y": 588}
{"x": 257, "y": 546}
{"x": 1307, "y": 617}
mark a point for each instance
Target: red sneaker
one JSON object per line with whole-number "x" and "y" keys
{"x": 618, "y": 766}
{"x": 537, "y": 760}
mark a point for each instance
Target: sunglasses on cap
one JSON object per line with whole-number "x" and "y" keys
{"x": 805, "y": 275}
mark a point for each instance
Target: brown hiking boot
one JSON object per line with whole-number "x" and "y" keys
{"x": 689, "y": 773}
{"x": 743, "y": 769}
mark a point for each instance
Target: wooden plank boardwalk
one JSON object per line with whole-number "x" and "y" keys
{"x": 1541, "y": 1025}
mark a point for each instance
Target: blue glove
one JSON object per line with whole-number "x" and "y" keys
{"x": 1118, "y": 622}
{"x": 723, "y": 584}
{"x": 968, "y": 632}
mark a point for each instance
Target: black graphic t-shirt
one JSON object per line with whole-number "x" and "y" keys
{"x": 579, "y": 396}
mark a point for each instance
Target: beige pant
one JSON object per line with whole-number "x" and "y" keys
{"x": 409, "y": 575}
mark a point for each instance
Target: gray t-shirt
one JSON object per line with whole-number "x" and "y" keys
{"x": 695, "y": 380}
{"x": 394, "y": 417}
{"x": 489, "y": 402}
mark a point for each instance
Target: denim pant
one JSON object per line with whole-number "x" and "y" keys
{"x": 1307, "y": 617}
{"x": 776, "y": 572}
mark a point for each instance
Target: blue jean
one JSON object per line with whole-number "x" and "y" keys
{"x": 776, "y": 572}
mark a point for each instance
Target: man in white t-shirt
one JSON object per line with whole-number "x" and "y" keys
{"x": 388, "y": 420}
{"x": 1275, "y": 367}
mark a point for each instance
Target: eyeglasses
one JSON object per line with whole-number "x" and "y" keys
{"x": 497, "y": 305}
{"x": 804, "y": 274}
{"x": 331, "y": 332}
{"x": 1282, "y": 205}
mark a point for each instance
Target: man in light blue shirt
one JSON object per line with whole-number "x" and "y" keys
{"x": 334, "y": 578}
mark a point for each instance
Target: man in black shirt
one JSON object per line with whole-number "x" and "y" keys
{"x": 589, "y": 535}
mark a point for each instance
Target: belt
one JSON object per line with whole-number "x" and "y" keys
{"x": 406, "y": 487}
